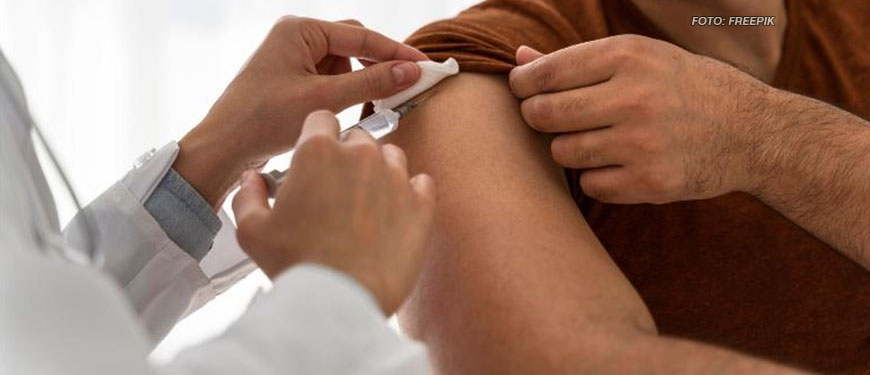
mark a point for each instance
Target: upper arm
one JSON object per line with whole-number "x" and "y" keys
{"x": 515, "y": 275}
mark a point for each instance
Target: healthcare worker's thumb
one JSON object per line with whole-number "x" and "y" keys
{"x": 251, "y": 207}
{"x": 376, "y": 82}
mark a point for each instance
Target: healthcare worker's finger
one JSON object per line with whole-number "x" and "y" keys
{"x": 580, "y": 65}
{"x": 365, "y": 62}
{"x": 319, "y": 124}
{"x": 333, "y": 65}
{"x": 251, "y": 207}
{"x": 358, "y": 135}
{"x": 396, "y": 160}
{"x": 526, "y": 54}
{"x": 352, "y": 22}
{"x": 424, "y": 187}
{"x": 357, "y": 41}
{"x": 375, "y": 82}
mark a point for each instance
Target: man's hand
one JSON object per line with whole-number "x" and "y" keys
{"x": 301, "y": 66}
{"x": 647, "y": 121}
{"x": 348, "y": 205}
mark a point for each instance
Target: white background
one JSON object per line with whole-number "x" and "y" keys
{"x": 109, "y": 79}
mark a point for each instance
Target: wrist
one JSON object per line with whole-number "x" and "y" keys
{"x": 763, "y": 153}
{"x": 210, "y": 163}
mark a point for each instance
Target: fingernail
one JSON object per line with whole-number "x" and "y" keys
{"x": 526, "y": 54}
{"x": 527, "y": 48}
{"x": 403, "y": 73}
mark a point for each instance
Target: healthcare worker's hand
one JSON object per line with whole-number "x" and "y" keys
{"x": 646, "y": 121}
{"x": 301, "y": 66}
{"x": 349, "y": 205}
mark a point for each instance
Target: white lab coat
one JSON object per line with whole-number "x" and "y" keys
{"x": 59, "y": 317}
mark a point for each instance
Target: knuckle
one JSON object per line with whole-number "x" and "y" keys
{"x": 632, "y": 42}
{"x": 289, "y": 23}
{"x": 373, "y": 83}
{"x": 669, "y": 102}
{"x": 366, "y": 152}
{"x": 596, "y": 190}
{"x": 649, "y": 142}
{"x": 317, "y": 144}
{"x": 659, "y": 181}
{"x": 542, "y": 73}
{"x": 572, "y": 103}
{"x": 629, "y": 50}
{"x": 585, "y": 156}
{"x": 642, "y": 103}
{"x": 637, "y": 138}
{"x": 306, "y": 23}
{"x": 576, "y": 64}
{"x": 572, "y": 153}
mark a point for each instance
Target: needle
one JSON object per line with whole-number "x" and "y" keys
{"x": 378, "y": 125}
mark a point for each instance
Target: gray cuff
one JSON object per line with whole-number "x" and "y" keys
{"x": 184, "y": 215}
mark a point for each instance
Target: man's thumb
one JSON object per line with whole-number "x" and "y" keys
{"x": 526, "y": 54}
{"x": 376, "y": 82}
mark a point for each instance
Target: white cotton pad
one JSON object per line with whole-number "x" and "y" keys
{"x": 431, "y": 72}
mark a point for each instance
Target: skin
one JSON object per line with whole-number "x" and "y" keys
{"x": 685, "y": 126}
{"x": 303, "y": 65}
{"x": 518, "y": 283}
{"x": 346, "y": 204}
{"x": 377, "y": 233}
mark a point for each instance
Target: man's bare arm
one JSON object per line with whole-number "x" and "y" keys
{"x": 516, "y": 282}
{"x": 813, "y": 166}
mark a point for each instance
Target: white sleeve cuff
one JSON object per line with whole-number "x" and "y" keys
{"x": 163, "y": 282}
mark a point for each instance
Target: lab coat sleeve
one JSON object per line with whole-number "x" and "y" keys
{"x": 162, "y": 282}
{"x": 314, "y": 321}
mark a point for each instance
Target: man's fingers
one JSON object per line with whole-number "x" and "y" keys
{"x": 374, "y": 82}
{"x": 251, "y": 207}
{"x": 579, "y": 109}
{"x": 319, "y": 124}
{"x": 576, "y": 66}
{"x": 526, "y": 54}
{"x": 396, "y": 160}
{"x": 357, "y": 41}
{"x": 589, "y": 149}
{"x": 607, "y": 184}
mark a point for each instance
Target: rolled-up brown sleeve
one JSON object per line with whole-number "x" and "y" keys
{"x": 484, "y": 38}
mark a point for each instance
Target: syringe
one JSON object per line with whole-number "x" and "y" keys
{"x": 378, "y": 125}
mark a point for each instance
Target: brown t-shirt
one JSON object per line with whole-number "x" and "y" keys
{"x": 729, "y": 270}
